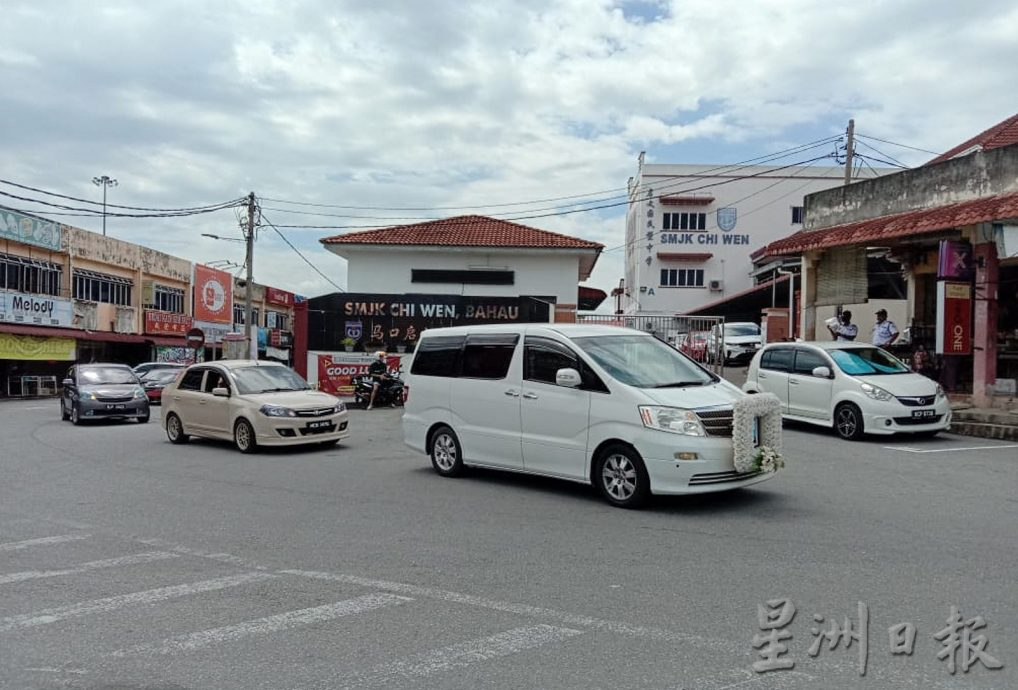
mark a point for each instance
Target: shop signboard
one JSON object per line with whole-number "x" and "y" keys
{"x": 955, "y": 261}
{"x": 35, "y": 310}
{"x": 46, "y": 349}
{"x": 166, "y": 323}
{"x": 214, "y": 332}
{"x": 29, "y": 230}
{"x": 954, "y": 318}
{"x": 391, "y": 322}
{"x": 277, "y": 296}
{"x": 336, "y": 371}
{"x": 213, "y": 295}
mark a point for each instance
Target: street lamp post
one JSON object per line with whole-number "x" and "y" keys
{"x": 105, "y": 182}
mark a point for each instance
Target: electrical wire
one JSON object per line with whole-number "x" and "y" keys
{"x": 784, "y": 153}
{"x": 880, "y": 160}
{"x": 892, "y": 143}
{"x": 98, "y": 212}
{"x": 876, "y": 150}
{"x": 216, "y": 207}
{"x": 578, "y": 210}
{"x": 306, "y": 260}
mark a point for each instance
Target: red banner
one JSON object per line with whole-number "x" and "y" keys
{"x": 213, "y": 295}
{"x": 336, "y": 372}
{"x": 954, "y": 318}
{"x": 277, "y": 296}
{"x": 164, "y": 322}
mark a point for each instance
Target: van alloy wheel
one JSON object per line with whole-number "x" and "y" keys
{"x": 622, "y": 478}
{"x": 446, "y": 455}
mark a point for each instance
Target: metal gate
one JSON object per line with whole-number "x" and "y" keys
{"x": 700, "y": 337}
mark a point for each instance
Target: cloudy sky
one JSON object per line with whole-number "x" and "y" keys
{"x": 413, "y": 109}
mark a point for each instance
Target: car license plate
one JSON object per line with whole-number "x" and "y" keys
{"x": 319, "y": 425}
{"x": 115, "y": 407}
{"x": 924, "y": 413}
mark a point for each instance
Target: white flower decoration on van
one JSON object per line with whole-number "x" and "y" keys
{"x": 767, "y": 408}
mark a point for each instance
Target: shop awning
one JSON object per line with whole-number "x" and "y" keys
{"x": 879, "y": 230}
{"x": 590, "y": 298}
{"x": 748, "y": 304}
{"x": 95, "y": 336}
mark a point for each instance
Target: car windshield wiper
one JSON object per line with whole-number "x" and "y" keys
{"x": 681, "y": 384}
{"x": 276, "y": 390}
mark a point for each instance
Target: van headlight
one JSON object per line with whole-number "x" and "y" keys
{"x": 875, "y": 392}
{"x": 276, "y": 411}
{"x": 672, "y": 419}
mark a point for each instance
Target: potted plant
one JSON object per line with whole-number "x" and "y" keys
{"x": 348, "y": 343}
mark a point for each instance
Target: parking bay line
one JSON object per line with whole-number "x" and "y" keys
{"x": 42, "y": 541}
{"x": 85, "y": 608}
{"x": 460, "y": 655}
{"x": 525, "y": 610}
{"x": 264, "y": 626}
{"x": 134, "y": 559}
{"x": 912, "y": 449}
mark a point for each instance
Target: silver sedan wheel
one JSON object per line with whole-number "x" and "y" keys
{"x": 444, "y": 452}
{"x": 619, "y": 477}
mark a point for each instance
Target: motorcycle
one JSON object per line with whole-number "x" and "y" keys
{"x": 390, "y": 392}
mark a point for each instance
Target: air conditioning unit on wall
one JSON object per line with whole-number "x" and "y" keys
{"x": 716, "y": 285}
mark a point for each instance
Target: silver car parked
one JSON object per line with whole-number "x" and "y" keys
{"x": 103, "y": 391}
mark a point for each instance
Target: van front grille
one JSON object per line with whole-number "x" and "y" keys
{"x": 720, "y": 477}
{"x": 716, "y": 422}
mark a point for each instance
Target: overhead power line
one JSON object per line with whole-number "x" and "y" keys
{"x": 214, "y": 207}
{"x": 622, "y": 192}
{"x": 894, "y": 143}
{"x": 301, "y": 255}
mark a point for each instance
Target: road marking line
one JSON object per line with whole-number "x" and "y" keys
{"x": 221, "y": 557}
{"x": 264, "y": 626}
{"x": 461, "y": 655}
{"x": 909, "y": 449}
{"x": 42, "y": 541}
{"x": 85, "y": 608}
{"x": 134, "y": 559}
{"x": 524, "y": 610}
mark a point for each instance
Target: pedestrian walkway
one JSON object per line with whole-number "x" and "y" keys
{"x": 984, "y": 422}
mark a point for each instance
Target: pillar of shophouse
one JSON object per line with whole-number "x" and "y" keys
{"x": 984, "y": 335}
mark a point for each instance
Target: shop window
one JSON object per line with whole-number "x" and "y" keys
{"x": 167, "y": 299}
{"x": 20, "y": 274}
{"x": 100, "y": 287}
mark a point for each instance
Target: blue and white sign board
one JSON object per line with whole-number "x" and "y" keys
{"x": 35, "y": 310}
{"x": 28, "y": 230}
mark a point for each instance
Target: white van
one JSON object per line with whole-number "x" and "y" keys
{"x": 595, "y": 404}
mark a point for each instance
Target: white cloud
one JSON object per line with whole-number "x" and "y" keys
{"x": 440, "y": 103}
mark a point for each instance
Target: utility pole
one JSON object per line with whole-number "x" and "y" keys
{"x": 252, "y": 335}
{"x": 849, "y": 150}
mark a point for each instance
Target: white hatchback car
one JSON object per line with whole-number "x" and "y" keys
{"x": 252, "y": 403}
{"x": 855, "y": 387}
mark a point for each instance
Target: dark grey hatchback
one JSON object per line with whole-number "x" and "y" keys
{"x": 103, "y": 391}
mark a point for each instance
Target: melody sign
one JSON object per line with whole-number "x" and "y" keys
{"x": 35, "y": 310}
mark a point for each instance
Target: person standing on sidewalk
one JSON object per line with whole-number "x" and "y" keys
{"x": 845, "y": 330}
{"x": 884, "y": 331}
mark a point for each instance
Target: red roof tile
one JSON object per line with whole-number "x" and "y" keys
{"x": 1001, "y": 134}
{"x": 465, "y": 231}
{"x": 873, "y": 230}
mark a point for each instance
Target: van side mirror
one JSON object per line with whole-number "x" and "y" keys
{"x": 570, "y": 378}
{"x": 822, "y": 372}
{"x": 67, "y": 382}
{"x": 221, "y": 392}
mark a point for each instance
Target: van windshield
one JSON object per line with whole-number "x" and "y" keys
{"x": 644, "y": 361}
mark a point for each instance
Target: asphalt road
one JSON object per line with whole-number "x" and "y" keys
{"x": 129, "y": 563}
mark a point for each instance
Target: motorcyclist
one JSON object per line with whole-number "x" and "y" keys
{"x": 378, "y": 371}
